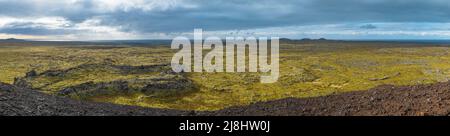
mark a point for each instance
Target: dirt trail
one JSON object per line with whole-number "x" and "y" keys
{"x": 416, "y": 100}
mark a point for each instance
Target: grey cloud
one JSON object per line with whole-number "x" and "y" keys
{"x": 239, "y": 14}
{"x": 236, "y": 14}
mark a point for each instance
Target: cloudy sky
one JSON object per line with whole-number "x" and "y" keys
{"x": 164, "y": 19}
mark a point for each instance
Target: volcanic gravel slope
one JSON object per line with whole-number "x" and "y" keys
{"x": 24, "y": 102}
{"x": 419, "y": 100}
{"x": 383, "y": 100}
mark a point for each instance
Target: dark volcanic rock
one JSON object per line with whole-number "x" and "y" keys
{"x": 6, "y": 88}
{"x": 54, "y": 73}
{"x": 67, "y": 91}
{"x": 143, "y": 68}
{"x": 15, "y": 101}
{"x": 164, "y": 86}
{"x": 92, "y": 89}
{"x": 177, "y": 83}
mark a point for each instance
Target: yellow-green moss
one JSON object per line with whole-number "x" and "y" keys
{"x": 307, "y": 70}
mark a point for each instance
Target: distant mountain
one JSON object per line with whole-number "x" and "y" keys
{"x": 12, "y": 40}
{"x": 285, "y": 39}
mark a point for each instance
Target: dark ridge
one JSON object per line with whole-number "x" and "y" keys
{"x": 88, "y": 43}
{"x": 12, "y": 40}
{"x": 15, "y": 101}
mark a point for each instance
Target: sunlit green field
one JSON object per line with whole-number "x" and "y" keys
{"x": 307, "y": 69}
